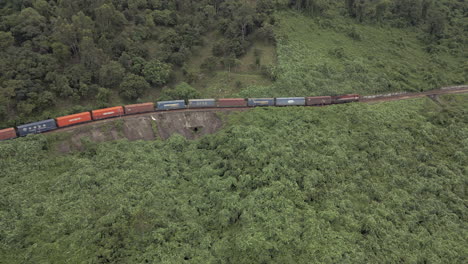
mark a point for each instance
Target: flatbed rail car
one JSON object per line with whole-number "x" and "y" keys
{"x": 37, "y": 127}
{"x": 318, "y": 100}
{"x": 261, "y": 102}
{"x": 74, "y": 119}
{"x": 108, "y": 112}
{"x": 171, "y": 105}
{"x": 290, "y": 101}
{"x": 201, "y": 103}
{"x": 139, "y": 108}
{"x": 232, "y": 102}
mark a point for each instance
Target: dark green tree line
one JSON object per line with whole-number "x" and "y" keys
{"x": 52, "y": 51}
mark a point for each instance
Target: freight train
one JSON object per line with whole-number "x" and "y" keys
{"x": 118, "y": 111}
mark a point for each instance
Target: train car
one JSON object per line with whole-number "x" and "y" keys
{"x": 232, "y": 102}
{"x": 319, "y": 100}
{"x": 347, "y": 98}
{"x": 198, "y": 103}
{"x": 287, "y": 101}
{"x": 107, "y": 112}
{"x": 37, "y": 127}
{"x": 169, "y": 105}
{"x": 139, "y": 108}
{"x": 8, "y": 133}
{"x": 70, "y": 120}
{"x": 261, "y": 101}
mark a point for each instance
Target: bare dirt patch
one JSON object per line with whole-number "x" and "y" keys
{"x": 190, "y": 124}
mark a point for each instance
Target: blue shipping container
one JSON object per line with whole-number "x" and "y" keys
{"x": 290, "y": 101}
{"x": 193, "y": 103}
{"x": 37, "y": 127}
{"x": 168, "y": 105}
{"x": 261, "y": 101}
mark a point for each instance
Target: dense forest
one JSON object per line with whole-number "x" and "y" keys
{"x": 80, "y": 52}
{"x": 382, "y": 183}
{"x": 355, "y": 183}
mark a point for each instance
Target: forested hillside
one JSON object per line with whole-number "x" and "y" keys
{"x": 383, "y": 183}
{"x": 88, "y": 54}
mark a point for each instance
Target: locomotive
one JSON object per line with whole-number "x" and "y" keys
{"x": 117, "y": 111}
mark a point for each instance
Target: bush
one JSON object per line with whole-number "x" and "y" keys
{"x": 157, "y": 72}
{"x": 182, "y": 91}
{"x": 133, "y": 86}
{"x": 354, "y": 34}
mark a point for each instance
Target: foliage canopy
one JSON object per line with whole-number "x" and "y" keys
{"x": 349, "y": 183}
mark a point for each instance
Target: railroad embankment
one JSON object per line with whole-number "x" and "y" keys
{"x": 148, "y": 126}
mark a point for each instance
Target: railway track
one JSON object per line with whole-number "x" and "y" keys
{"x": 403, "y": 96}
{"x": 364, "y": 99}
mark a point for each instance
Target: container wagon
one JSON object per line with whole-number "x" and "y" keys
{"x": 73, "y": 119}
{"x": 199, "y": 103}
{"x": 232, "y": 102}
{"x": 287, "y": 101}
{"x": 319, "y": 100}
{"x": 108, "y": 112}
{"x": 139, "y": 108}
{"x": 37, "y": 127}
{"x": 8, "y": 133}
{"x": 169, "y": 105}
{"x": 261, "y": 101}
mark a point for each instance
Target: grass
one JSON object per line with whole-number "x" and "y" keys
{"x": 222, "y": 82}
{"x": 326, "y": 57}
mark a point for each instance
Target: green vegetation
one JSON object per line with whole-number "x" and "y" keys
{"x": 355, "y": 183}
{"x": 92, "y": 54}
{"x": 328, "y": 56}
{"x": 99, "y": 53}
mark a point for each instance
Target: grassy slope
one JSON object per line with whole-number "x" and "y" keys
{"x": 319, "y": 57}
{"x": 340, "y": 184}
{"x": 221, "y": 83}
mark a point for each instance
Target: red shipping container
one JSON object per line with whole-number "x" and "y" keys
{"x": 139, "y": 108}
{"x": 7, "y": 133}
{"x": 318, "y": 100}
{"x": 73, "y": 119}
{"x": 108, "y": 112}
{"x": 232, "y": 102}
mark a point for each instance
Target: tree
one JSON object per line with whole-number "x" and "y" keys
{"x": 108, "y": 19}
{"x": 182, "y": 91}
{"x": 6, "y": 40}
{"x": 28, "y": 24}
{"x": 61, "y": 51}
{"x": 72, "y": 33}
{"x": 230, "y": 62}
{"x": 133, "y": 86}
{"x": 90, "y": 55}
{"x": 103, "y": 95}
{"x": 164, "y": 17}
{"x": 111, "y": 74}
{"x": 210, "y": 64}
{"x": 244, "y": 17}
{"x": 157, "y": 72}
